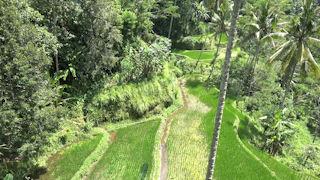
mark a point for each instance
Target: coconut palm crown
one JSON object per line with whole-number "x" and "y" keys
{"x": 295, "y": 50}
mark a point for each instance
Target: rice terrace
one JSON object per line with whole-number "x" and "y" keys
{"x": 159, "y": 90}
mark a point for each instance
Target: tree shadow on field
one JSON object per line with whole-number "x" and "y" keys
{"x": 193, "y": 83}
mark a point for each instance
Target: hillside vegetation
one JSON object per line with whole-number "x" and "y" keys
{"x": 146, "y": 89}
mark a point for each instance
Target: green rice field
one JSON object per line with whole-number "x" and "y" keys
{"x": 196, "y": 54}
{"x": 131, "y": 150}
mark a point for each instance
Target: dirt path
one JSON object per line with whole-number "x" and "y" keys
{"x": 163, "y": 147}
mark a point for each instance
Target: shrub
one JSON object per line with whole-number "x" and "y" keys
{"x": 134, "y": 100}
{"x": 192, "y": 43}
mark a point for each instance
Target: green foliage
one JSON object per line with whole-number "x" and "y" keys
{"x": 277, "y": 130}
{"x": 26, "y": 120}
{"x": 191, "y": 43}
{"x": 131, "y": 149}
{"x": 129, "y": 23}
{"x": 185, "y": 25}
{"x": 134, "y": 100}
{"x": 8, "y": 177}
{"x": 90, "y": 27}
{"x": 248, "y": 129}
{"x": 146, "y": 61}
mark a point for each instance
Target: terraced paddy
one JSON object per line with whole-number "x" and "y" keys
{"x": 130, "y": 152}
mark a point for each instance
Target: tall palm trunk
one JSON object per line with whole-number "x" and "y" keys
{"x": 56, "y": 56}
{"x": 215, "y": 57}
{"x": 170, "y": 28}
{"x": 256, "y": 57}
{"x": 223, "y": 91}
{"x": 205, "y": 42}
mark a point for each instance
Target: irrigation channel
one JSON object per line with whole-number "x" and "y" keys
{"x": 163, "y": 146}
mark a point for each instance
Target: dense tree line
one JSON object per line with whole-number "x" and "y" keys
{"x": 54, "y": 54}
{"x": 57, "y": 55}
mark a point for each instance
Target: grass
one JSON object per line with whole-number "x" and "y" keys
{"x": 224, "y": 38}
{"x": 186, "y": 145}
{"x": 94, "y": 156}
{"x": 233, "y": 161}
{"x": 68, "y": 161}
{"x": 132, "y": 148}
{"x": 196, "y": 54}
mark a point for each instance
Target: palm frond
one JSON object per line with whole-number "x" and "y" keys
{"x": 287, "y": 60}
{"x": 279, "y": 53}
{"x": 313, "y": 41}
{"x": 278, "y": 34}
{"x": 216, "y": 17}
{"x": 258, "y": 35}
{"x": 254, "y": 16}
{"x": 286, "y": 78}
{"x": 246, "y": 39}
{"x": 254, "y": 25}
{"x": 313, "y": 66}
{"x": 266, "y": 39}
{"x": 300, "y": 52}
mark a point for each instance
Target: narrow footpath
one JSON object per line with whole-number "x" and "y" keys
{"x": 163, "y": 147}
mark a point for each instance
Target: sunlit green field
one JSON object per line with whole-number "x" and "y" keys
{"x": 68, "y": 162}
{"x": 186, "y": 144}
{"x": 132, "y": 148}
{"x": 224, "y": 38}
{"x": 196, "y": 54}
{"x": 232, "y": 162}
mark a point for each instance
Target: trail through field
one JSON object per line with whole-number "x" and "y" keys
{"x": 186, "y": 144}
{"x": 163, "y": 147}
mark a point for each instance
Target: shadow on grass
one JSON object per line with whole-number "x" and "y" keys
{"x": 193, "y": 83}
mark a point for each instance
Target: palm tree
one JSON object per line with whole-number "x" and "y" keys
{"x": 202, "y": 13}
{"x": 295, "y": 51}
{"x": 264, "y": 22}
{"x": 221, "y": 21}
{"x": 170, "y": 27}
{"x": 203, "y": 8}
{"x": 223, "y": 90}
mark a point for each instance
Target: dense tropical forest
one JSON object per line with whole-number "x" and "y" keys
{"x": 159, "y": 89}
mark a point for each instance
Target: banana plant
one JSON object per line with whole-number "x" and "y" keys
{"x": 70, "y": 68}
{"x": 277, "y": 129}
